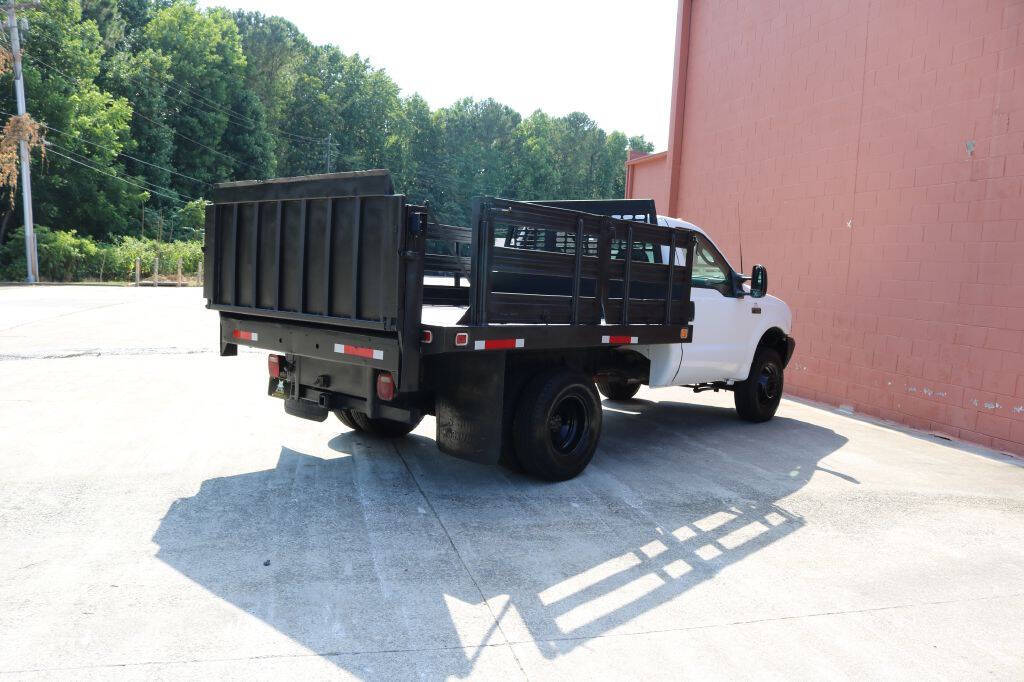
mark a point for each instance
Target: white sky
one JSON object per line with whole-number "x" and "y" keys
{"x": 609, "y": 59}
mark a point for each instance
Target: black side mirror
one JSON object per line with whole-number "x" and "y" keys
{"x": 758, "y": 281}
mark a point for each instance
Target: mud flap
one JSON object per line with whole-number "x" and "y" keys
{"x": 305, "y": 409}
{"x": 469, "y": 404}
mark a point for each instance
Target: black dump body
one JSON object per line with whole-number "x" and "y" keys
{"x": 329, "y": 271}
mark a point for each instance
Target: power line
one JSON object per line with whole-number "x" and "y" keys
{"x": 112, "y": 175}
{"x": 214, "y": 106}
{"x": 110, "y": 149}
{"x": 69, "y": 80}
{"x": 50, "y": 143}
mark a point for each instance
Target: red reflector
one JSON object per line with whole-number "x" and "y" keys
{"x": 385, "y": 386}
{"x": 461, "y": 339}
{"x": 245, "y": 336}
{"x": 428, "y": 336}
{"x": 274, "y": 363}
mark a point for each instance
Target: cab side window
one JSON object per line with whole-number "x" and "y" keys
{"x": 710, "y": 271}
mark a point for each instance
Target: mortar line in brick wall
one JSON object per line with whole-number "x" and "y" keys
{"x": 860, "y": 134}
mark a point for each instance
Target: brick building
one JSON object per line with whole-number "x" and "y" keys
{"x": 871, "y": 154}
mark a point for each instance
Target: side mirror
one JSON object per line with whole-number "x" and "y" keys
{"x": 758, "y": 281}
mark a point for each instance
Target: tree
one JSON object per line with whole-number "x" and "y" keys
{"x": 144, "y": 103}
{"x": 206, "y": 67}
{"x": 344, "y": 96}
{"x": 274, "y": 49}
{"x": 143, "y": 79}
{"x": 77, "y": 186}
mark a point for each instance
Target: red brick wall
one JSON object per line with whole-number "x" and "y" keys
{"x": 647, "y": 171}
{"x": 834, "y": 136}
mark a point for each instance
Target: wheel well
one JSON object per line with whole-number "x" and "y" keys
{"x": 776, "y": 339}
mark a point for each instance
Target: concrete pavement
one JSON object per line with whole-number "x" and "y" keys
{"x": 160, "y": 517}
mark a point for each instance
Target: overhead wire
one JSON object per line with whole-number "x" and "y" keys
{"x": 70, "y": 79}
{"x": 112, "y": 175}
{"x": 49, "y": 144}
{"x": 111, "y": 149}
{"x": 212, "y": 107}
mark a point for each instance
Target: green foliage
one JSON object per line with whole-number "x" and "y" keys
{"x": 192, "y": 218}
{"x": 148, "y": 102}
{"x": 64, "y": 256}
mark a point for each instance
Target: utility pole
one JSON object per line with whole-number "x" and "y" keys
{"x": 31, "y": 256}
{"x": 327, "y": 152}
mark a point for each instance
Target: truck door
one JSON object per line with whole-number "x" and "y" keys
{"x": 720, "y": 321}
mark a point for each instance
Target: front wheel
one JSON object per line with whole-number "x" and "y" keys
{"x": 757, "y": 398}
{"x": 557, "y": 425}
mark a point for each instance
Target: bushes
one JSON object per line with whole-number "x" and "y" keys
{"x": 66, "y": 257}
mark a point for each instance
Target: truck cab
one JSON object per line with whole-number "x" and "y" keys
{"x": 741, "y": 340}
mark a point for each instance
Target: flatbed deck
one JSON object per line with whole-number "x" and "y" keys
{"x": 373, "y": 309}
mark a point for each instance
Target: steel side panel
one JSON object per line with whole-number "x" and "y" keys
{"x": 550, "y": 337}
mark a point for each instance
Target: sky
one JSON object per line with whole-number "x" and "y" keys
{"x": 609, "y": 59}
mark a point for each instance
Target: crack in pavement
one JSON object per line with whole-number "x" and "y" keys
{"x": 57, "y": 317}
{"x": 110, "y": 352}
{"x": 101, "y": 352}
{"x": 510, "y": 643}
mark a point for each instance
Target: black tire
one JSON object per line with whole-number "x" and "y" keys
{"x": 379, "y": 426}
{"x": 758, "y": 397}
{"x": 345, "y": 416}
{"x": 616, "y": 389}
{"x": 557, "y": 425}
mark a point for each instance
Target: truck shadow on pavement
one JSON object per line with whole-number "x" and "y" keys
{"x": 393, "y": 547}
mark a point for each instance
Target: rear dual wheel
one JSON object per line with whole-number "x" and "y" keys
{"x": 616, "y": 389}
{"x": 375, "y": 426}
{"x": 557, "y": 424}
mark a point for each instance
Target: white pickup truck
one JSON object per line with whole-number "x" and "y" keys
{"x": 741, "y": 336}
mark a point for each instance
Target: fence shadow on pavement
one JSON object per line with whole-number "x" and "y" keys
{"x": 392, "y": 546}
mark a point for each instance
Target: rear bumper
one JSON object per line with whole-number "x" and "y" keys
{"x": 355, "y": 347}
{"x": 327, "y": 369}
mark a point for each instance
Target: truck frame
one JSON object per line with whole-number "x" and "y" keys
{"x": 374, "y": 310}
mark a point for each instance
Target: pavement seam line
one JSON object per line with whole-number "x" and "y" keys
{"x": 509, "y": 643}
{"x": 57, "y": 317}
{"x": 462, "y": 561}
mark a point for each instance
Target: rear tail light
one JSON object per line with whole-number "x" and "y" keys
{"x": 428, "y": 336}
{"x": 461, "y": 339}
{"x": 385, "y": 386}
{"x": 275, "y": 365}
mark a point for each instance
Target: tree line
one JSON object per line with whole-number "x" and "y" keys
{"x": 144, "y": 104}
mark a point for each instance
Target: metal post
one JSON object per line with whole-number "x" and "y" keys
{"x": 179, "y": 272}
{"x": 138, "y": 271}
{"x": 328, "y": 155}
{"x": 156, "y": 270}
{"x": 31, "y": 253}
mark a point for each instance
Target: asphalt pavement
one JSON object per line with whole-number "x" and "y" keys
{"x": 161, "y": 517}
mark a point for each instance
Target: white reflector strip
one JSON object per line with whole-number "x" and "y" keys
{"x": 498, "y": 344}
{"x": 619, "y": 339}
{"x": 359, "y": 351}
